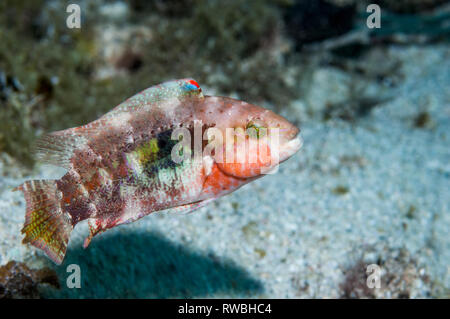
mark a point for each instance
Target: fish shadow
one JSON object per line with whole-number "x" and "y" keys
{"x": 146, "y": 265}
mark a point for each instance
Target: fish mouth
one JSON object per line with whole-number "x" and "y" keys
{"x": 291, "y": 147}
{"x": 287, "y": 150}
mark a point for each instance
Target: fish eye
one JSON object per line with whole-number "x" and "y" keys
{"x": 255, "y": 129}
{"x": 191, "y": 85}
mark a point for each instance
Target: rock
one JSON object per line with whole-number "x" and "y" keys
{"x": 19, "y": 281}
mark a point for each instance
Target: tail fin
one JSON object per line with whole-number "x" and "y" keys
{"x": 46, "y": 225}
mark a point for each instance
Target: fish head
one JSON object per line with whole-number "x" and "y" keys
{"x": 253, "y": 140}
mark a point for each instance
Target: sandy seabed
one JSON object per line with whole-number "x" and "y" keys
{"x": 375, "y": 191}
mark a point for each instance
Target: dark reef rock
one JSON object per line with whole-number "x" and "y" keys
{"x": 311, "y": 21}
{"x": 411, "y": 6}
{"x": 8, "y": 84}
{"x": 17, "y": 281}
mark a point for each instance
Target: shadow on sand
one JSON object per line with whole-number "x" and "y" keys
{"x": 146, "y": 265}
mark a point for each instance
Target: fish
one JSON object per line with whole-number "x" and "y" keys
{"x": 128, "y": 163}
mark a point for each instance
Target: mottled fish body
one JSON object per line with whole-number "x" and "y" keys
{"x": 121, "y": 167}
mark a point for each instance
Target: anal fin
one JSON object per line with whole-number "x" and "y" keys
{"x": 99, "y": 225}
{"x": 188, "y": 208}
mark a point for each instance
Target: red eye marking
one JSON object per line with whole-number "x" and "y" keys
{"x": 194, "y": 83}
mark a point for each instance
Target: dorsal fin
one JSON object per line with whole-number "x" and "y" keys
{"x": 147, "y": 98}
{"x": 164, "y": 91}
{"x": 57, "y": 148}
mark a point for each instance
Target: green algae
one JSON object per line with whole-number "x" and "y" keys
{"x": 422, "y": 120}
{"x": 54, "y": 68}
{"x": 18, "y": 281}
{"x": 214, "y": 44}
{"x": 56, "y": 65}
{"x": 340, "y": 190}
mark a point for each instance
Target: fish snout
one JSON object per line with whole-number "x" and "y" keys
{"x": 288, "y": 131}
{"x": 292, "y": 132}
{"x": 291, "y": 142}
